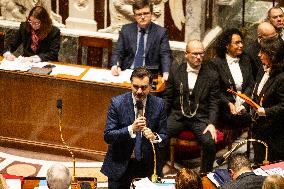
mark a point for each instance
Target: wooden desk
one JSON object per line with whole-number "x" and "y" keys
{"x": 29, "y": 117}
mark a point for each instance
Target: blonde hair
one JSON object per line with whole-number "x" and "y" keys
{"x": 273, "y": 182}
{"x": 188, "y": 179}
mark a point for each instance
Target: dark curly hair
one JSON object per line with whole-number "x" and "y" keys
{"x": 225, "y": 39}
{"x": 274, "y": 48}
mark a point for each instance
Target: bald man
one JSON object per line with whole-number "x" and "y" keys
{"x": 275, "y": 16}
{"x": 264, "y": 30}
{"x": 191, "y": 98}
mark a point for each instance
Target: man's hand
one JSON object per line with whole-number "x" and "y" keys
{"x": 212, "y": 130}
{"x": 261, "y": 111}
{"x": 232, "y": 108}
{"x": 115, "y": 70}
{"x": 139, "y": 123}
{"x": 240, "y": 110}
{"x": 165, "y": 77}
{"x": 147, "y": 132}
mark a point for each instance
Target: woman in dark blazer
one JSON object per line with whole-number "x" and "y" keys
{"x": 40, "y": 39}
{"x": 269, "y": 94}
{"x": 234, "y": 70}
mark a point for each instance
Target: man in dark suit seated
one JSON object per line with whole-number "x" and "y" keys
{"x": 191, "y": 97}
{"x": 242, "y": 175}
{"x": 142, "y": 43}
{"x": 134, "y": 121}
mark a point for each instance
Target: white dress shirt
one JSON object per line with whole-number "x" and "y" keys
{"x": 237, "y": 75}
{"x": 264, "y": 79}
{"x": 192, "y": 75}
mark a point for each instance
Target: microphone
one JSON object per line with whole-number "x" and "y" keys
{"x": 139, "y": 106}
{"x": 221, "y": 160}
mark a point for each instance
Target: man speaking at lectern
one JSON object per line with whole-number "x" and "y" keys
{"x": 133, "y": 120}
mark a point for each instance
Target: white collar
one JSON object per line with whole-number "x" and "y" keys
{"x": 191, "y": 69}
{"x": 231, "y": 60}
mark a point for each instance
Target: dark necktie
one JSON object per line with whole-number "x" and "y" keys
{"x": 138, "y": 62}
{"x": 138, "y": 141}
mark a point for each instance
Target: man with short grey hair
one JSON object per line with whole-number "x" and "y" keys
{"x": 275, "y": 16}
{"x": 58, "y": 177}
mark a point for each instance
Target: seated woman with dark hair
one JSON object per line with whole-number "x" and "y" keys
{"x": 234, "y": 70}
{"x": 269, "y": 94}
{"x": 40, "y": 39}
{"x": 188, "y": 179}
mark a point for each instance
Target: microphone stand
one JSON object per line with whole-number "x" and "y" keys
{"x": 59, "y": 107}
{"x": 154, "y": 177}
{"x": 226, "y": 155}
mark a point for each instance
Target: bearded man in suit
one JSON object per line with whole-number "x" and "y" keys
{"x": 191, "y": 99}
{"x": 130, "y": 130}
{"x": 142, "y": 43}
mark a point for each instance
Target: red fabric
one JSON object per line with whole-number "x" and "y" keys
{"x": 188, "y": 135}
{"x": 8, "y": 176}
{"x": 35, "y": 41}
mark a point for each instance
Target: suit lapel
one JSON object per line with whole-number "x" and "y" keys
{"x": 184, "y": 77}
{"x": 266, "y": 86}
{"x": 130, "y": 108}
{"x": 199, "y": 86}
{"x": 133, "y": 37}
{"x": 244, "y": 70}
{"x": 226, "y": 71}
{"x": 150, "y": 38}
{"x": 149, "y": 110}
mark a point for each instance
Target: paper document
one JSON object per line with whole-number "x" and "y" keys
{"x": 20, "y": 64}
{"x": 67, "y": 70}
{"x": 14, "y": 183}
{"x": 145, "y": 183}
{"x": 105, "y": 76}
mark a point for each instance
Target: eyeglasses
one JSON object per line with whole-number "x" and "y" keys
{"x": 142, "y": 14}
{"x": 142, "y": 87}
{"x": 34, "y": 23}
{"x": 196, "y": 53}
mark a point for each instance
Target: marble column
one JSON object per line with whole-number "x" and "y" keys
{"x": 81, "y": 15}
{"x": 194, "y": 20}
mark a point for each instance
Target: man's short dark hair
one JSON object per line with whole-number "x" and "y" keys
{"x": 238, "y": 161}
{"x": 139, "y": 4}
{"x": 141, "y": 72}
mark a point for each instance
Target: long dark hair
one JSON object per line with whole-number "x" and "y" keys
{"x": 45, "y": 21}
{"x": 274, "y": 48}
{"x": 225, "y": 39}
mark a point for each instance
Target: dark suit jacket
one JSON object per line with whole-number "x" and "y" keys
{"x": 157, "y": 51}
{"x": 48, "y": 48}
{"x": 205, "y": 92}
{"x": 120, "y": 145}
{"x": 252, "y": 51}
{"x": 270, "y": 127}
{"x": 227, "y": 81}
{"x": 247, "y": 180}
